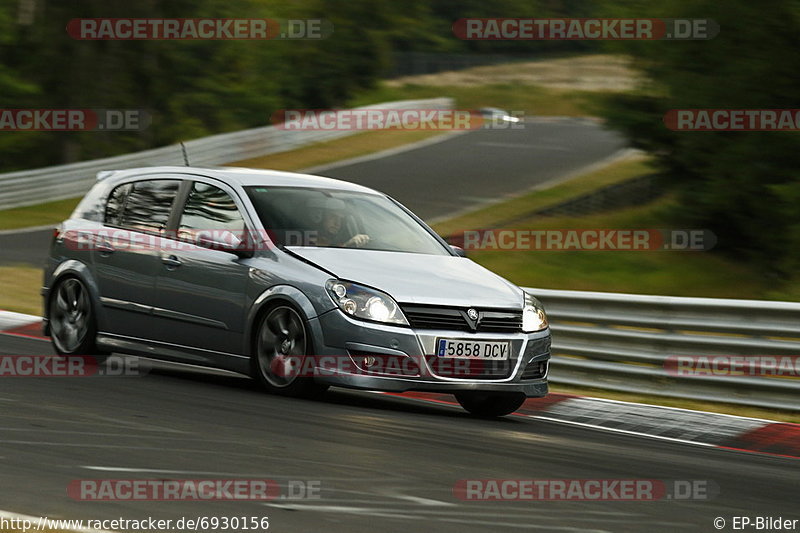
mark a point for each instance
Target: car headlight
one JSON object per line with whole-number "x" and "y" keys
{"x": 533, "y": 316}
{"x": 363, "y": 302}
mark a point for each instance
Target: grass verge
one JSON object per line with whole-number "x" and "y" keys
{"x": 517, "y": 206}
{"x": 19, "y": 289}
{"x": 37, "y": 215}
{"x": 336, "y": 150}
{"x": 672, "y": 273}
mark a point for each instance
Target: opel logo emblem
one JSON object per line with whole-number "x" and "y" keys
{"x": 472, "y": 314}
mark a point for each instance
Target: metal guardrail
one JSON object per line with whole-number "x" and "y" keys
{"x": 48, "y": 184}
{"x": 621, "y": 342}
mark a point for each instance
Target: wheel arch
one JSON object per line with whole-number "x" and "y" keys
{"x": 75, "y": 269}
{"x": 277, "y": 294}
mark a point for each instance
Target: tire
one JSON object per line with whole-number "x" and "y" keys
{"x": 73, "y": 326}
{"x": 490, "y": 404}
{"x": 280, "y": 350}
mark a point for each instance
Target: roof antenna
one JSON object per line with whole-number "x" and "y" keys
{"x": 185, "y": 155}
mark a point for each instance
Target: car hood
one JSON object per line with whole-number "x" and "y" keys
{"x": 418, "y": 278}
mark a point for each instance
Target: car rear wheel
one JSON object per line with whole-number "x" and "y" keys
{"x": 280, "y": 360}
{"x": 72, "y": 322}
{"x": 490, "y": 404}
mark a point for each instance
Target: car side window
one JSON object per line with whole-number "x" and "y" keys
{"x": 116, "y": 204}
{"x": 148, "y": 205}
{"x": 212, "y": 211}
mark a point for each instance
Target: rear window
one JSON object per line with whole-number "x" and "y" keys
{"x": 116, "y": 204}
{"x": 142, "y": 205}
{"x": 209, "y": 208}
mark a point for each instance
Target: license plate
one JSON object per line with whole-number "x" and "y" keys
{"x": 466, "y": 349}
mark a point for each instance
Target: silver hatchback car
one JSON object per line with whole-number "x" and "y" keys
{"x": 300, "y": 281}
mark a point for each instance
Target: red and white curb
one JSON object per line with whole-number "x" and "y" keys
{"x": 658, "y": 422}
{"x": 21, "y": 325}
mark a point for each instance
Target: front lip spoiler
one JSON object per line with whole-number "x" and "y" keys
{"x": 533, "y": 388}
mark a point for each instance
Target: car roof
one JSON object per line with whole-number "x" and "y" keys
{"x": 241, "y": 176}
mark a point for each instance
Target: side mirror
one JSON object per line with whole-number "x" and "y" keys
{"x": 460, "y": 252}
{"x": 225, "y": 241}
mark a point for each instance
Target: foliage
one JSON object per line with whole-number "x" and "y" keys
{"x": 196, "y": 88}
{"x": 744, "y": 186}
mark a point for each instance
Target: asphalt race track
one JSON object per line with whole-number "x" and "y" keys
{"x": 460, "y": 172}
{"x": 468, "y": 170}
{"x": 382, "y": 463}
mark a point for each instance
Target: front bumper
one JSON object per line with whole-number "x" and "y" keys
{"x": 342, "y": 335}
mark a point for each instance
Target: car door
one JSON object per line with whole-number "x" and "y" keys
{"x": 200, "y": 288}
{"x": 124, "y": 254}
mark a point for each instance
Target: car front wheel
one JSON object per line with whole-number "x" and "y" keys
{"x": 490, "y": 404}
{"x": 280, "y": 359}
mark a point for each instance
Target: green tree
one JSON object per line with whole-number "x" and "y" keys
{"x": 742, "y": 186}
{"x": 15, "y": 91}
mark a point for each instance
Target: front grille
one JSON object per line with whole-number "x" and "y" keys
{"x": 502, "y": 322}
{"x": 455, "y": 318}
{"x": 435, "y": 318}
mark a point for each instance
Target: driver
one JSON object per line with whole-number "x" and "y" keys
{"x": 332, "y": 232}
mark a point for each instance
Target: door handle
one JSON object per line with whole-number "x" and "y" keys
{"x": 105, "y": 249}
{"x": 172, "y": 262}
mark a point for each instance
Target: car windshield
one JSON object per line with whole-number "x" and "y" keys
{"x": 301, "y": 216}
